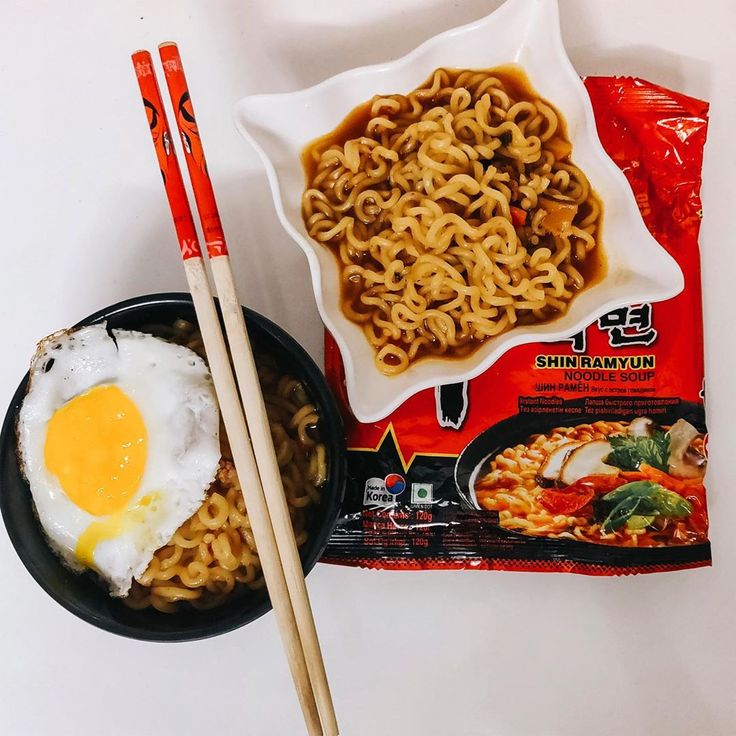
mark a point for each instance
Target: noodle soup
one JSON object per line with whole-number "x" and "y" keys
{"x": 623, "y": 483}
{"x": 455, "y": 213}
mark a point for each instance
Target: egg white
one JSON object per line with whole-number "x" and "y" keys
{"x": 172, "y": 388}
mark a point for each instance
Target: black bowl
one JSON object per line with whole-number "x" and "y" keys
{"x": 84, "y": 595}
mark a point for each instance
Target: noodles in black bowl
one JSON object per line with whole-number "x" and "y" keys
{"x": 207, "y": 580}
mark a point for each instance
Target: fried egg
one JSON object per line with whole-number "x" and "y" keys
{"x": 118, "y": 439}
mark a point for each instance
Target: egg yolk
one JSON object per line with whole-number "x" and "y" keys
{"x": 96, "y": 445}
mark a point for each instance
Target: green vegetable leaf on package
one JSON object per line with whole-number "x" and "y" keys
{"x": 621, "y": 513}
{"x": 642, "y": 498}
{"x": 628, "y": 452}
{"x": 637, "y": 522}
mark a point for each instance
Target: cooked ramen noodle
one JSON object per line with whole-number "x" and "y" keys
{"x": 630, "y": 484}
{"x": 455, "y": 213}
{"x": 213, "y": 553}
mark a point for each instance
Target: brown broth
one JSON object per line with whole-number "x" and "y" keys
{"x": 516, "y": 82}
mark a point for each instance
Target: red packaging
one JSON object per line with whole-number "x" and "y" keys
{"x": 432, "y": 485}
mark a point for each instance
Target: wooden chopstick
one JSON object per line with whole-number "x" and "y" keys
{"x": 245, "y": 370}
{"x": 226, "y": 389}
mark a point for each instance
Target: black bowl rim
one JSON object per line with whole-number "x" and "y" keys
{"x": 336, "y": 481}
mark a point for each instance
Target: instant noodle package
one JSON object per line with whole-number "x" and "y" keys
{"x": 586, "y": 455}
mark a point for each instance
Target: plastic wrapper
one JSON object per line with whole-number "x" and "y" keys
{"x": 586, "y": 455}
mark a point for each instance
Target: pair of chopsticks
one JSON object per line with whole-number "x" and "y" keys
{"x": 243, "y": 412}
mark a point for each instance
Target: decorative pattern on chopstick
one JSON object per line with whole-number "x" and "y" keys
{"x": 167, "y": 161}
{"x": 186, "y": 121}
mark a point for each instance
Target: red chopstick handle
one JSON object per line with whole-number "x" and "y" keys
{"x": 167, "y": 161}
{"x": 186, "y": 121}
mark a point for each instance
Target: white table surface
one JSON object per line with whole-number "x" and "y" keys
{"x": 85, "y": 224}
